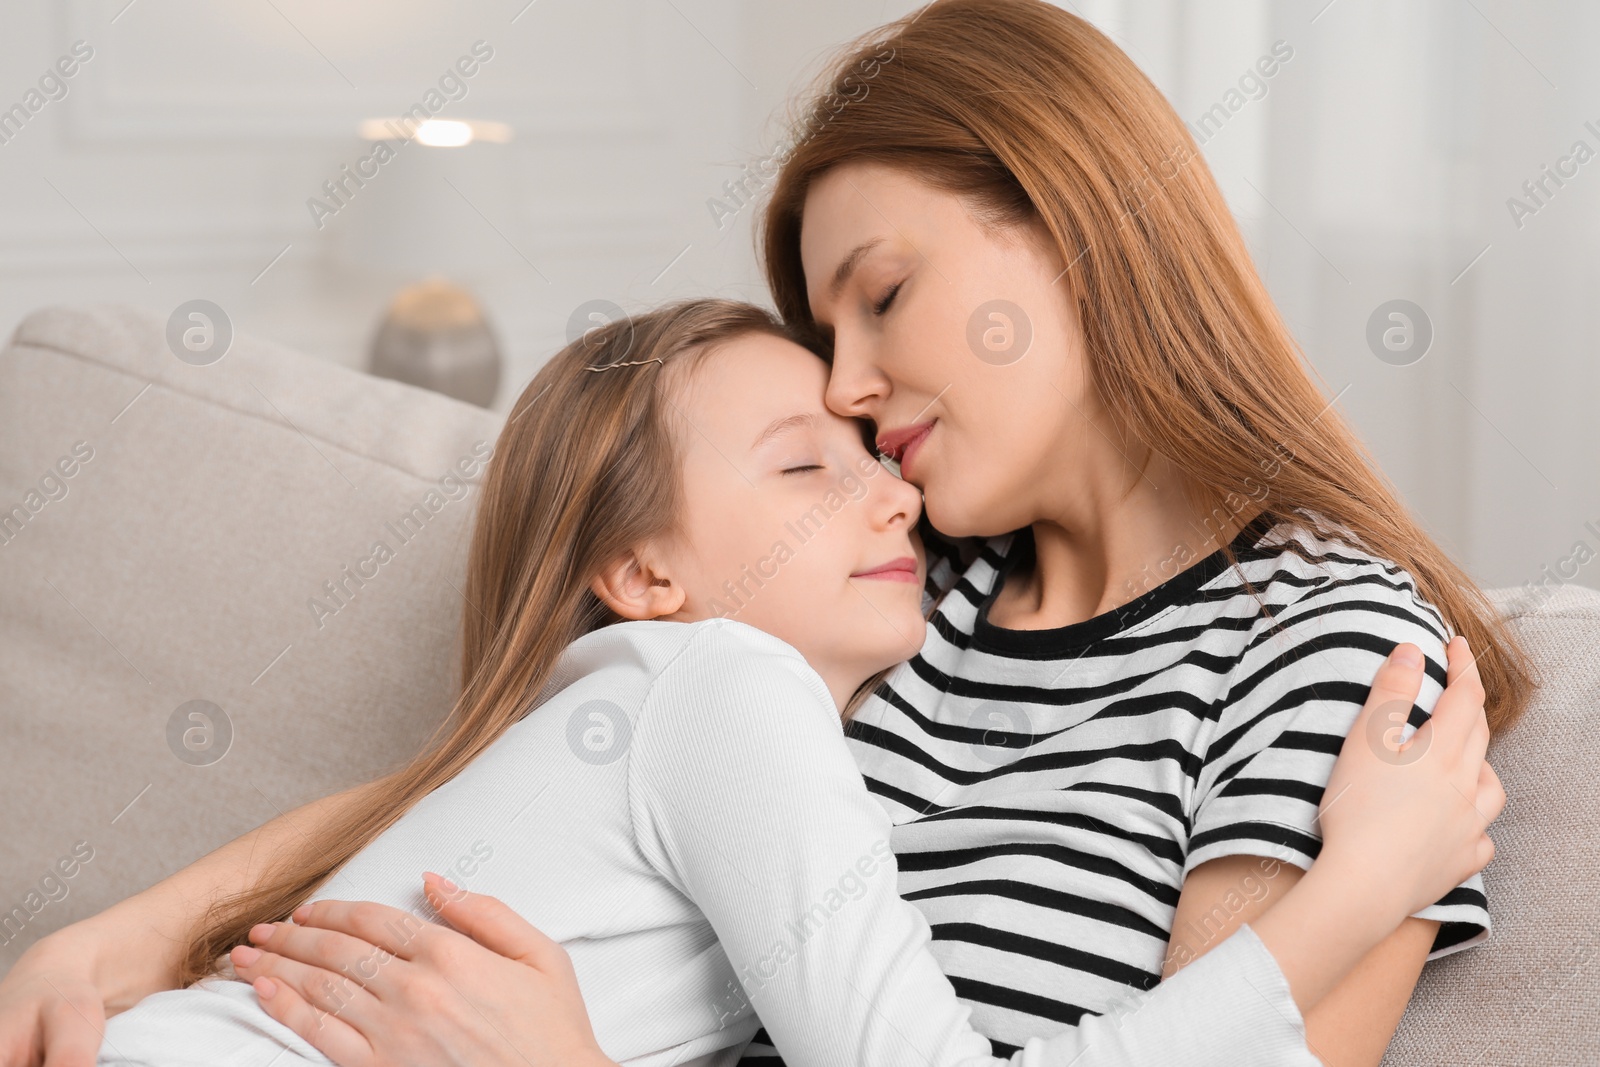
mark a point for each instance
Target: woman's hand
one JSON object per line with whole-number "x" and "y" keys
{"x": 54, "y": 1000}
{"x": 50, "y": 1003}
{"x": 368, "y": 984}
{"x": 1409, "y": 821}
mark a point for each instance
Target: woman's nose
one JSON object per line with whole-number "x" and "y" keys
{"x": 854, "y": 389}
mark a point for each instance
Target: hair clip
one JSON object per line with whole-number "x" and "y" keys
{"x": 633, "y": 363}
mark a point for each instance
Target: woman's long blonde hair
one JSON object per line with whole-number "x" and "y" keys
{"x": 1033, "y": 116}
{"x": 587, "y": 466}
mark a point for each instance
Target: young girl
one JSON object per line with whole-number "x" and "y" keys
{"x": 668, "y": 793}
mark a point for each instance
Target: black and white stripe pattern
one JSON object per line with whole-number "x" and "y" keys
{"x": 1051, "y": 789}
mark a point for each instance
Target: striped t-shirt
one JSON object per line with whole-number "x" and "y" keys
{"x": 1051, "y": 789}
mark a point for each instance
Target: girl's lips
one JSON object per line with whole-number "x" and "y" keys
{"x": 903, "y": 569}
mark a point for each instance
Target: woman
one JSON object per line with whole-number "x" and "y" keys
{"x": 1123, "y": 453}
{"x": 1031, "y": 285}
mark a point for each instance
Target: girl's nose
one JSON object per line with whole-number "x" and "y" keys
{"x": 898, "y": 500}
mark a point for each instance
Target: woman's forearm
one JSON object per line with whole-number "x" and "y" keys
{"x": 134, "y": 947}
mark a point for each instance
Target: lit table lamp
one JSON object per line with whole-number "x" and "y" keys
{"x": 424, "y": 204}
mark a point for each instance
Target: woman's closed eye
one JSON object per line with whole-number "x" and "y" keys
{"x": 884, "y": 301}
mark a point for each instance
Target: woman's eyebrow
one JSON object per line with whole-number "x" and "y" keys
{"x": 848, "y": 265}
{"x": 781, "y": 426}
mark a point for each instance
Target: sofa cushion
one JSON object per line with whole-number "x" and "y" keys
{"x": 166, "y": 531}
{"x": 1528, "y": 995}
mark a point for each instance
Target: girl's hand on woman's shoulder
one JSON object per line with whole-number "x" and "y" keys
{"x": 1410, "y": 819}
{"x": 369, "y": 984}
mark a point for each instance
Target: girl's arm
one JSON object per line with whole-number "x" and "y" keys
{"x": 501, "y": 994}
{"x": 748, "y": 800}
{"x": 1292, "y": 699}
{"x": 1351, "y": 1021}
{"x": 108, "y": 962}
{"x": 1392, "y": 829}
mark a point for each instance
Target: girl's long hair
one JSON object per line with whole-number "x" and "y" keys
{"x": 1033, "y": 116}
{"x": 586, "y": 467}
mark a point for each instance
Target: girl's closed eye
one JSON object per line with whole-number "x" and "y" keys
{"x": 803, "y": 468}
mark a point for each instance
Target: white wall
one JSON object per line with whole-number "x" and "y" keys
{"x": 180, "y": 163}
{"x": 1377, "y": 165}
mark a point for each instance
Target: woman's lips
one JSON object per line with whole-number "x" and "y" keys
{"x": 903, "y": 569}
{"x": 901, "y": 444}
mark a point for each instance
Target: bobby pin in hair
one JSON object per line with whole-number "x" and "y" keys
{"x": 633, "y": 363}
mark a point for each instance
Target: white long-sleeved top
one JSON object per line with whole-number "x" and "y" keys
{"x": 681, "y": 811}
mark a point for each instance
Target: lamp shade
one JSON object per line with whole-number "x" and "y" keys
{"x": 440, "y": 201}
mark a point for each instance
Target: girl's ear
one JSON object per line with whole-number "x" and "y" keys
{"x": 637, "y": 587}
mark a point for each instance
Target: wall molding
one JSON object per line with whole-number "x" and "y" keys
{"x": 105, "y": 110}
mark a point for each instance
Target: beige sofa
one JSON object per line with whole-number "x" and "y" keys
{"x": 208, "y": 533}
